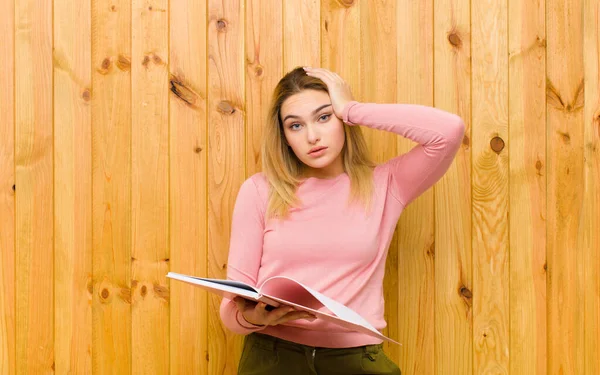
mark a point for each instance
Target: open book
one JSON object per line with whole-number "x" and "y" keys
{"x": 281, "y": 290}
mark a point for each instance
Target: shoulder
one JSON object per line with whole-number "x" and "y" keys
{"x": 255, "y": 186}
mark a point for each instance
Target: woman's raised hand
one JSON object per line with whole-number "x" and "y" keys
{"x": 257, "y": 314}
{"x": 339, "y": 90}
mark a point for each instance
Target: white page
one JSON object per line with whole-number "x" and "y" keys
{"x": 337, "y": 308}
{"x": 231, "y": 286}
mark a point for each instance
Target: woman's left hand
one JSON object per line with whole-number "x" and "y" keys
{"x": 339, "y": 90}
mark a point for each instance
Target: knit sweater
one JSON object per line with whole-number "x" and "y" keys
{"x": 338, "y": 249}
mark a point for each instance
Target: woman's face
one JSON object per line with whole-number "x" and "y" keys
{"x": 314, "y": 132}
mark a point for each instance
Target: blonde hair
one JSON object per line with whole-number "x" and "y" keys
{"x": 282, "y": 167}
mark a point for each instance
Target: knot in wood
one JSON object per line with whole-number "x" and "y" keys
{"x": 104, "y": 294}
{"x": 124, "y": 63}
{"x": 221, "y": 25}
{"x": 86, "y": 95}
{"x": 225, "y": 107}
{"x": 454, "y": 39}
{"x": 497, "y": 144}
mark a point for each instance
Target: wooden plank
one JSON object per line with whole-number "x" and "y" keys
{"x": 378, "y": 75}
{"x": 340, "y": 37}
{"x": 264, "y": 69}
{"x": 414, "y": 309}
{"x": 34, "y": 200}
{"x": 590, "y": 240}
{"x": 453, "y": 227}
{"x": 565, "y": 179}
{"x": 188, "y": 175}
{"x": 72, "y": 181}
{"x": 150, "y": 187}
{"x": 226, "y": 172}
{"x": 378, "y": 84}
{"x": 527, "y": 140}
{"x": 490, "y": 186}
{"x": 7, "y": 188}
{"x": 301, "y": 34}
{"x": 111, "y": 186}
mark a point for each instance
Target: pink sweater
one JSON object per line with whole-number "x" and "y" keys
{"x": 333, "y": 248}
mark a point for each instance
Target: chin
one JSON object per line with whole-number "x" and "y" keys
{"x": 317, "y": 164}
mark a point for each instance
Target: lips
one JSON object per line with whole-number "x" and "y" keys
{"x": 316, "y": 149}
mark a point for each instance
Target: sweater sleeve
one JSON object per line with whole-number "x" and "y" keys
{"x": 245, "y": 251}
{"x": 438, "y": 133}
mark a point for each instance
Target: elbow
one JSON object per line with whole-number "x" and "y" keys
{"x": 456, "y": 130}
{"x": 459, "y": 127}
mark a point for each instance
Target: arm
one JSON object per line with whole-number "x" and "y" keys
{"x": 438, "y": 133}
{"x": 245, "y": 252}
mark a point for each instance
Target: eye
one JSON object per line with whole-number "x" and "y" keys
{"x": 326, "y": 117}
{"x": 292, "y": 126}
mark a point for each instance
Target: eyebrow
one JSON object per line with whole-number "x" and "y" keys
{"x": 313, "y": 112}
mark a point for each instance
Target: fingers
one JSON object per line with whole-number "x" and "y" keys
{"x": 323, "y": 74}
{"x": 258, "y": 313}
{"x": 240, "y": 303}
{"x": 295, "y": 315}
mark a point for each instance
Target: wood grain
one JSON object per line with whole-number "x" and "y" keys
{"x": 589, "y": 238}
{"x": 416, "y": 229}
{"x": 527, "y": 140}
{"x": 7, "y": 188}
{"x": 566, "y": 186}
{"x": 453, "y": 222}
{"x": 150, "y": 184}
{"x": 102, "y": 163}
{"x": 34, "y": 215}
{"x": 301, "y": 34}
{"x": 226, "y": 160}
{"x": 72, "y": 186}
{"x": 264, "y": 69}
{"x": 490, "y": 187}
{"x": 188, "y": 193}
{"x": 111, "y": 184}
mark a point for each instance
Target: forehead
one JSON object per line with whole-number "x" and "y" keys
{"x": 304, "y": 102}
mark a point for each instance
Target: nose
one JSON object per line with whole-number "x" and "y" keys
{"x": 312, "y": 134}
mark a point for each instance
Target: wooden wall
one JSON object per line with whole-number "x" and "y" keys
{"x": 127, "y": 127}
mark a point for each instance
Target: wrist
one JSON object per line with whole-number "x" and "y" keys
{"x": 253, "y": 325}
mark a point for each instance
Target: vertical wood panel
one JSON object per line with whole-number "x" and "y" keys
{"x": 72, "y": 186}
{"x": 188, "y": 194}
{"x": 378, "y": 84}
{"x": 590, "y": 239}
{"x": 527, "y": 139}
{"x": 565, "y": 101}
{"x": 34, "y": 200}
{"x": 150, "y": 187}
{"x": 378, "y": 72}
{"x": 453, "y": 253}
{"x": 490, "y": 186}
{"x": 301, "y": 34}
{"x": 226, "y": 152}
{"x": 264, "y": 64}
{"x": 7, "y": 191}
{"x": 111, "y": 184}
{"x": 416, "y": 247}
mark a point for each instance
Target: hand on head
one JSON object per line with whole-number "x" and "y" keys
{"x": 339, "y": 90}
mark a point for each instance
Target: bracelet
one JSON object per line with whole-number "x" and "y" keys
{"x": 240, "y": 323}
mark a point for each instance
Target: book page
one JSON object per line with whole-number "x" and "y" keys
{"x": 293, "y": 291}
{"x": 225, "y": 288}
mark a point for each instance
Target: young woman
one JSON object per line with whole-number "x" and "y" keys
{"x": 322, "y": 213}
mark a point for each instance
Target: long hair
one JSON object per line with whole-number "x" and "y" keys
{"x": 282, "y": 167}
